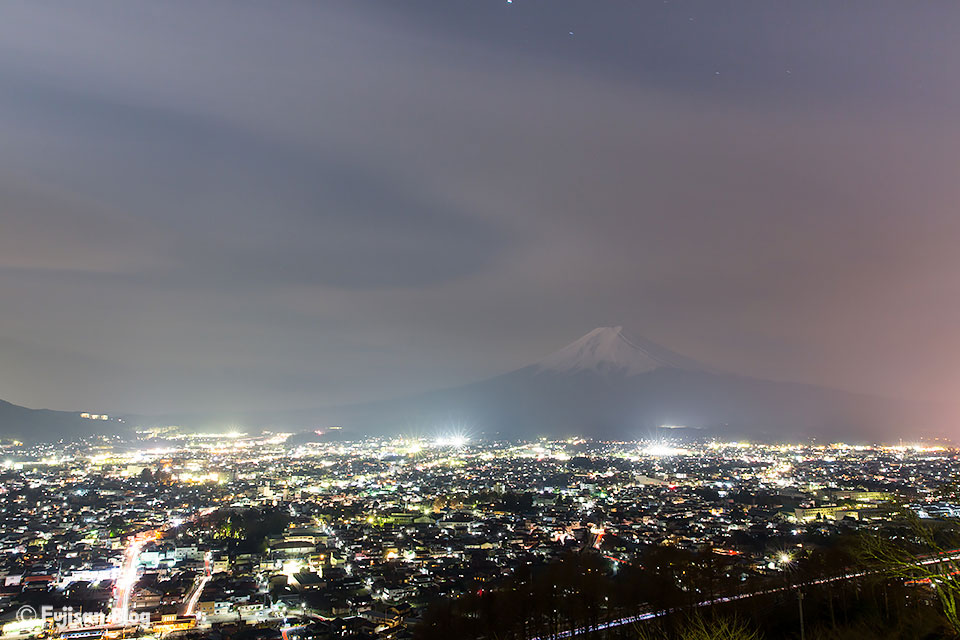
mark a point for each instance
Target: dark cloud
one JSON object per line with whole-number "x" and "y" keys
{"x": 241, "y": 209}
{"x": 252, "y": 206}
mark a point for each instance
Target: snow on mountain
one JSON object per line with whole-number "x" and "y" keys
{"x": 608, "y": 350}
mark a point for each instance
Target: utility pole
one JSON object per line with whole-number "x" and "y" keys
{"x": 800, "y": 605}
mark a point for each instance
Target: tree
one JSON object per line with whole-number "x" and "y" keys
{"x": 922, "y": 558}
{"x": 699, "y": 627}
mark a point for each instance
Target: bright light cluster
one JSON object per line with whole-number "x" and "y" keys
{"x": 455, "y": 440}
{"x": 662, "y": 450}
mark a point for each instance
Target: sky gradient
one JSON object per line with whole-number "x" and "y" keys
{"x": 257, "y": 206}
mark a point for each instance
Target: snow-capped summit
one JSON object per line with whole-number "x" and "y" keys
{"x": 611, "y": 350}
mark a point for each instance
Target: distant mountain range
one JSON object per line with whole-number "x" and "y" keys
{"x": 607, "y": 384}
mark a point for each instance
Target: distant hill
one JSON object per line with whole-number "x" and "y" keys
{"x": 46, "y": 425}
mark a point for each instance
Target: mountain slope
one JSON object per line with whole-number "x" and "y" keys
{"x": 608, "y": 384}
{"x": 610, "y": 350}
{"x": 45, "y": 425}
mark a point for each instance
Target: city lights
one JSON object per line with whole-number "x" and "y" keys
{"x": 455, "y": 440}
{"x": 660, "y": 449}
{"x": 336, "y": 513}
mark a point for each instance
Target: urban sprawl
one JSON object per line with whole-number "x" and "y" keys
{"x": 339, "y": 539}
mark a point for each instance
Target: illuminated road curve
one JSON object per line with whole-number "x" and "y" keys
{"x": 128, "y": 574}
{"x": 198, "y": 586}
{"x": 128, "y": 570}
{"x": 946, "y": 556}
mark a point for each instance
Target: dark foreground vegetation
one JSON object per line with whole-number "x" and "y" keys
{"x": 583, "y": 591}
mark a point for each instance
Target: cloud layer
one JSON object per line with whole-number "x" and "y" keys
{"x": 242, "y": 205}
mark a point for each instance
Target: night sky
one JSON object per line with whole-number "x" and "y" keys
{"x": 267, "y": 205}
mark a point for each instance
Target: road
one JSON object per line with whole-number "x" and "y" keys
{"x": 123, "y": 587}
{"x": 197, "y": 590}
{"x": 947, "y": 556}
{"x": 128, "y": 574}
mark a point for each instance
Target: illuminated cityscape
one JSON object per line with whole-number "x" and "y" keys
{"x": 329, "y": 539}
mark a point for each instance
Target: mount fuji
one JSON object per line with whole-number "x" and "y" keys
{"x": 609, "y": 350}
{"x": 609, "y": 384}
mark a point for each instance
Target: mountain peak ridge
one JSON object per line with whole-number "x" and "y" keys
{"x": 611, "y": 350}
